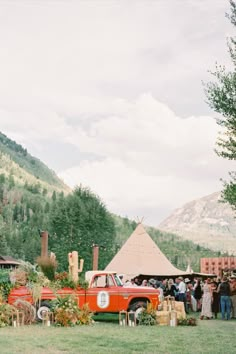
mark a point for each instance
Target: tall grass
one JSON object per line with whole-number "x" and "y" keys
{"x": 48, "y": 266}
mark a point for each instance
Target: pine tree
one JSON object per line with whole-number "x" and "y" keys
{"x": 3, "y": 246}
{"x": 221, "y": 96}
{"x": 54, "y": 196}
{"x": 11, "y": 182}
{"x": 77, "y": 222}
{"x": 3, "y": 243}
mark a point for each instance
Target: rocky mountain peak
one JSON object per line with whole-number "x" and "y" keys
{"x": 207, "y": 221}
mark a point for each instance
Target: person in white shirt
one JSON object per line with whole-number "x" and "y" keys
{"x": 182, "y": 292}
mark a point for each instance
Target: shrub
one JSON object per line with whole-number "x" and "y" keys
{"x": 5, "y": 285}
{"x": 25, "y": 273}
{"x": 148, "y": 317}
{"x": 18, "y": 276}
{"x": 6, "y": 314}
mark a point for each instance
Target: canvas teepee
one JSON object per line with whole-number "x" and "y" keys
{"x": 141, "y": 256}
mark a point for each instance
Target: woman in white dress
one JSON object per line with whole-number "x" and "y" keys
{"x": 207, "y": 300}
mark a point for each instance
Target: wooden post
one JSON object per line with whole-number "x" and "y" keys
{"x": 44, "y": 244}
{"x": 95, "y": 257}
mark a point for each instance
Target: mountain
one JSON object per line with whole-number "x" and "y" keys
{"x": 206, "y": 221}
{"x": 32, "y": 197}
{"x": 16, "y": 161}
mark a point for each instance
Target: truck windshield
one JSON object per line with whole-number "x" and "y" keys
{"x": 117, "y": 280}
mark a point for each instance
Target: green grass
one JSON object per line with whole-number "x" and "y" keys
{"x": 216, "y": 337}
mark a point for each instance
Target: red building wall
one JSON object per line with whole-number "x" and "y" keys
{"x": 218, "y": 265}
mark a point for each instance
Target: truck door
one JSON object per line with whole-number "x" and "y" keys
{"x": 103, "y": 295}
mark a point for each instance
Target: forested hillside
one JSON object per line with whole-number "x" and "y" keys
{"x": 23, "y": 209}
{"x": 75, "y": 222}
{"x": 32, "y": 198}
{"x": 24, "y": 161}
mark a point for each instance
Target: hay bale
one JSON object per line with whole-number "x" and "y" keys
{"x": 179, "y": 308}
{"x": 169, "y": 303}
{"x": 163, "y": 318}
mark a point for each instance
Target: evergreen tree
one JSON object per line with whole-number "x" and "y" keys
{"x": 3, "y": 246}
{"x": 77, "y": 222}
{"x": 221, "y": 96}
{"x": 11, "y": 182}
{"x": 2, "y": 178}
{"x": 54, "y": 196}
{"x": 4, "y": 249}
{"x": 47, "y": 208}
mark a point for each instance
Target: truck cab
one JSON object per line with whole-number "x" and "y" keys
{"x": 106, "y": 293}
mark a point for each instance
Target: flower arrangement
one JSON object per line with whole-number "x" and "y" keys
{"x": 63, "y": 280}
{"x": 187, "y": 321}
{"x": 85, "y": 316}
{"x": 67, "y": 312}
{"x": 148, "y": 316}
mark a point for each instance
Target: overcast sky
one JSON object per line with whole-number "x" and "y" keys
{"x": 109, "y": 94}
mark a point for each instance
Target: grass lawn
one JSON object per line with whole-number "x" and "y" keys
{"x": 214, "y": 336}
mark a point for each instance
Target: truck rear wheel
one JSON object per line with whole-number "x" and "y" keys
{"x": 138, "y": 307}
{"x": 44, "y": 306}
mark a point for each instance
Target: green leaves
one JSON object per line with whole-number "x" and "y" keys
{"x": 77, "y": 222}
{"x": 221, "y": 97}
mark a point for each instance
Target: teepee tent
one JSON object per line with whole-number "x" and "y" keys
{"x": 141, "y": 256}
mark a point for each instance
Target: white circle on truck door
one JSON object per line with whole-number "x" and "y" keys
{"x": 103, "y": 299}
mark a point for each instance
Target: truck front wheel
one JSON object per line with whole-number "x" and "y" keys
{"x": 44, "y": 306}
{"x": 138, "y": 307}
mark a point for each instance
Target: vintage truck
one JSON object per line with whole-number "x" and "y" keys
{"x": 105, "y": 293}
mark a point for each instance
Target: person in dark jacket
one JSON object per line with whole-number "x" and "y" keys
{"x": 171, "y": 288}
{"x": 197, "y": 293}
{"x": 216, "y": 299}
{"x": 225, "y": 303}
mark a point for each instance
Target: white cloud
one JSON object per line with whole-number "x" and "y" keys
{"x": 147, "y": 156}
{"x": 144, "y": 157}
{"x": 121, "y": 83}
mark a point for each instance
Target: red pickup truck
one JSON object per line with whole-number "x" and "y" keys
{"x": 105, "y": 293}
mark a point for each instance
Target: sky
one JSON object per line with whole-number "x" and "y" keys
{"x": 109, "y": 95}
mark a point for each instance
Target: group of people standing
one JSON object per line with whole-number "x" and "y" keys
{"x": 209, "y": 297}
{"x": 219, "y": 297}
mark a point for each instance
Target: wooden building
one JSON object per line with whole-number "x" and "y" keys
{"x": 7, "y": 262}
